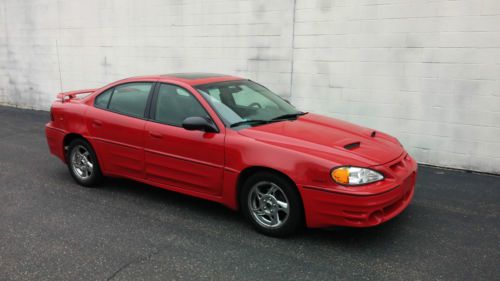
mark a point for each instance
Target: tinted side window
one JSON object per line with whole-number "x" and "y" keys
{"x": 130, "y": 99}
{"x": 174, "y": 104}
{"x": 101, "y": 101}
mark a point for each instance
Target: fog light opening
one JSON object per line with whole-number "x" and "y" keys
{"x": 376, "y": 217}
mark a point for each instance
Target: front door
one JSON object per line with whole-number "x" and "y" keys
{"x": 191, "y": 160}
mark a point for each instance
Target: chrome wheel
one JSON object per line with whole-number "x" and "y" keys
{"x": 268, "y": 204}
{"x": 81, "y": 164}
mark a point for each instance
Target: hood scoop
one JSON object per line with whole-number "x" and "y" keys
{"x": 352, "y": 146}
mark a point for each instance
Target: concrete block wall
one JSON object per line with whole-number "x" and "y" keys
{"x": 102, "y": 41}
{"x": 425, "y": 71}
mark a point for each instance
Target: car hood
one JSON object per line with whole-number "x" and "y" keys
{"x": 329, "y": 138}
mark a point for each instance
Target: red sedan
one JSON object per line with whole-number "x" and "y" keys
{"x": 233, "y": 141}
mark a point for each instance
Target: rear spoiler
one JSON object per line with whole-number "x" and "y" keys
{"x": 71, "y": 95}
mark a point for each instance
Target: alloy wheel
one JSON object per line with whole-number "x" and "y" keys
{"x": 81, "y": 163}
{"x": 268, "y": 204}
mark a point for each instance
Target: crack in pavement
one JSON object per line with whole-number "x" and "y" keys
{"x": 134, "y": 261}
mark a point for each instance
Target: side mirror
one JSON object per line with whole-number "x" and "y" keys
{"x": 199, "y": 124}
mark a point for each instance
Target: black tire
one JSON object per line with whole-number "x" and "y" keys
{"x": 94, "y": 175}
{"x": 249, "y": 198}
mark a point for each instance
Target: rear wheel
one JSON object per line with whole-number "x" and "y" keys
{"x": 82, "y": 163}
{"x": 272, "y": 204}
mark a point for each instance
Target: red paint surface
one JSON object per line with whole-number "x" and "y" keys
{"x": 208, "y": 165}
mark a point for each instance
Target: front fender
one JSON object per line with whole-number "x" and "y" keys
{"x": 243, "y": 152}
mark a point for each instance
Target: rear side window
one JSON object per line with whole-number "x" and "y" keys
{"x": 102, "y": 100}
{"x": 130, "y": 99}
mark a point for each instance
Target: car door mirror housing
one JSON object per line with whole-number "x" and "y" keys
{"x": 199, "y": 124}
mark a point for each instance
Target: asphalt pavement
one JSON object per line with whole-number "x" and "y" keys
{"x": 53, "y": 229}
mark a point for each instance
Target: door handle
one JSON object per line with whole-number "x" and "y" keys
{"x": 96, "y": 123}
{"x": 156, "y": 135}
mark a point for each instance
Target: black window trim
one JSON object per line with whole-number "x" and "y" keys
{"x": 153, "y": 104}
{"x": 148, "y": 101}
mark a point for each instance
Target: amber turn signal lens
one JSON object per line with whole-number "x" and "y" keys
{"x": 341, "y": 175}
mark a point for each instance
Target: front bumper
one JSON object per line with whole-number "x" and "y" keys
{"x": 326, "y": 207}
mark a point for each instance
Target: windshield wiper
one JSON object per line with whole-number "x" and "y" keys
{"x": 248, "y": 122}
{"x": 260, "y": 121}
{"x": 288, "y": 116}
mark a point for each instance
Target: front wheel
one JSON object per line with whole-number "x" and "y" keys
{"x": 82, "y": 163}
{"x": 272, "y": 204}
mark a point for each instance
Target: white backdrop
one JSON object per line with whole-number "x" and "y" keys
{"x": 427, "y": 71}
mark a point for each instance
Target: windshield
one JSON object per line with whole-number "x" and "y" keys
{"x": 245, "y": 102}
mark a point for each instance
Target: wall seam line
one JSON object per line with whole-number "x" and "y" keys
{"x": 292, "y": 59}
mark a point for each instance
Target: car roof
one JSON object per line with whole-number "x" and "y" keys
{"x": 191, "y": 78}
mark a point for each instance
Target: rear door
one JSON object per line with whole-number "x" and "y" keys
{"x": 191, "y": 160}
{"x": 116, "y": 123}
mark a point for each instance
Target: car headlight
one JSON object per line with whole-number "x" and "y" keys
{"x": 355, "y": 175}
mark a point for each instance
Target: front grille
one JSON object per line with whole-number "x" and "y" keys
{"x": 400, "y": 164}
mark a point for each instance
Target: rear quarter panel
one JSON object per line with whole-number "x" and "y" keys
{"x": 68, "y": 117}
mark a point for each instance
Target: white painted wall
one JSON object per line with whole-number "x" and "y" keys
{"x": 426, "y": 71}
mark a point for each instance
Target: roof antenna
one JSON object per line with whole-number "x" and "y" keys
{"x": 60, "y": 75}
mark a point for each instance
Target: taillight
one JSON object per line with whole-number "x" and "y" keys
{"x": 51, "y": 115}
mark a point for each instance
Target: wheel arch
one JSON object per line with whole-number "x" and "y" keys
{"x": 68, "y": 138}
{"x": 249, "y": 171}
